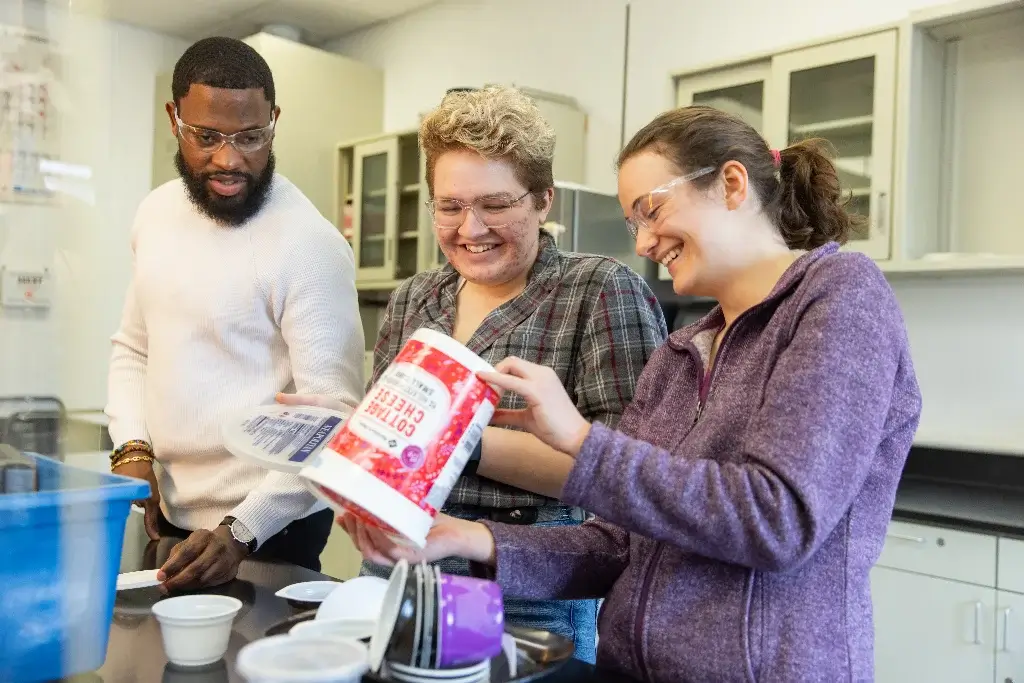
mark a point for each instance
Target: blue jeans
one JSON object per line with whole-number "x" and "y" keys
{"x": 574, "y": 619}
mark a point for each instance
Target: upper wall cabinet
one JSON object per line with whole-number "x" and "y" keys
{"x": 382, "y": 200}
{"x": 962, "y": 131}
{"x": 843, "y": 91}
{"x": 314, "y": 116}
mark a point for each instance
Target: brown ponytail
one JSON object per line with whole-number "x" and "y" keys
{"x": 802, "y": 195}
{"x": 808, "y": 203}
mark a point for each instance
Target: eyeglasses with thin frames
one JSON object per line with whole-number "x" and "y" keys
{"x": 645, "y": 205}
{"x": 211, "y": 141}
{"x": 493, "y": 211}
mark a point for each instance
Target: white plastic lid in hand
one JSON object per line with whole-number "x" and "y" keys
{"x": 285, "y": 659}
{"x": 281, "y": 437}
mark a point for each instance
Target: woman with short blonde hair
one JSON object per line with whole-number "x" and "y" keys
{"x": 507, "y": 290}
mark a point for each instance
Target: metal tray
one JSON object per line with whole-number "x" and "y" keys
{"x": 540, "y": 653}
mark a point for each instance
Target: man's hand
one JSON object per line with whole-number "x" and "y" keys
{"x": 205, "y": 558}
{"x": 151, "y": 505}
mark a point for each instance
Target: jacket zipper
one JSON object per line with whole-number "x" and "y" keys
{"x": 645, "y": 587}
{"x": 638, "y": 627}
{"x": 702, "y": 393}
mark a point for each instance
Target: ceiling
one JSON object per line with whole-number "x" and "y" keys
{"x": 319, "y": 20}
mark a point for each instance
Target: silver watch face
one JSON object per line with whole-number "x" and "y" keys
{"x": 240, "y": 533}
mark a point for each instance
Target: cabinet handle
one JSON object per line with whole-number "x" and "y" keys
{"x": 977, "y": 623}
{"x": 1006, "y": 630}
{"x": 883, "y": 214}
{"x": 905, "y": 537}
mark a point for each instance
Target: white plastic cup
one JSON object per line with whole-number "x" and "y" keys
{"x": 195, "y": 629}
{"x": 395, "y": 461}
{"x": 288, "y": 659}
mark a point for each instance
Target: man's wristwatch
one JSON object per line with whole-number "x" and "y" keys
{"x": 240, "y": 533}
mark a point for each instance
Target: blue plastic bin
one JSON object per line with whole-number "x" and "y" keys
{"x": 60, "y": 552}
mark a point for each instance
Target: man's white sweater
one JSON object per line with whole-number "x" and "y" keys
{"x": 219, "y": 319}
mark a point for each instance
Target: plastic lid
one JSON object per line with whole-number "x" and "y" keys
{"x": 284, "y": 659}
{"x": 281, "y": 437}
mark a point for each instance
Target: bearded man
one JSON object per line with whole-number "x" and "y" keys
{"x": 240, "y": 290}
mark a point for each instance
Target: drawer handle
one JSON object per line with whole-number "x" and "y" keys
{"x": 977, "y": 623}
{"x": 1006, "y": 630}
{"x": 905, "y": 537}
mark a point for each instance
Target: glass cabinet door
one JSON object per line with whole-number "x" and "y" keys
{"x": 374, "y": 223}
{"x": 738, "y": 90}
{"x": 844, "y": 92}
{"x": 430, "y": 255}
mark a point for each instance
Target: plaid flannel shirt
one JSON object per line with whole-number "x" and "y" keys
{"x": 590, "y": 318}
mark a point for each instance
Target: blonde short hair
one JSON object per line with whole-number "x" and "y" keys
{"x": 498, "y": 123}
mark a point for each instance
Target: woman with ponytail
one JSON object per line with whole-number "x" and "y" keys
{"x": 744, "y": 496}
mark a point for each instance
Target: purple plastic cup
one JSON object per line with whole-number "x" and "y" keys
{"x": 471, "y": 620}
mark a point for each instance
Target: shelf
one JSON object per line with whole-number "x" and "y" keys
{"x": 96, "y": 418}
{"x": 409, "y": 235}
{"x": 376, "y": 193}
{"x": 847, "y": 125}
{"x": 372, "y": 238}
{"x": 1000, "y": 445}
{"x": 411, "y": 189}
{"x": 956, "y": 263}
{"x": 858, "y": 166}
{"x": 373, "y": 286}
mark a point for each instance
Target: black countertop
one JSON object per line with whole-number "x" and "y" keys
{"x": 979, "y": 492}
{"x": 135, "y": 653}
{"x": 961, "y": 506}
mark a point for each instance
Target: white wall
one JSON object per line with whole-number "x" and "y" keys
{"x": 106, "y": 125}
{"x": 967, "y": 331}
{"x": 570, "y": 47}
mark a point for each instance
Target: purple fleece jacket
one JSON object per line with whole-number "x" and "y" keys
{"x": 743, "y": 516}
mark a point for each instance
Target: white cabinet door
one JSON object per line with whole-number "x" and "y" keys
{"x": 1009, "y": 637}
{"x": 929, "y": 629}
{"x": 844, "y": 92}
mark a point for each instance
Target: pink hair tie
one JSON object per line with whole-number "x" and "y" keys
{"x": 777, "y": 157}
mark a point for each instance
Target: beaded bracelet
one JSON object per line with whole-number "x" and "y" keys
{"x": 130, "y": 458}
{"x": 130, "y": 446}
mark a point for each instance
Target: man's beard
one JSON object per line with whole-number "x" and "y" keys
{"x": 226, "y": 210}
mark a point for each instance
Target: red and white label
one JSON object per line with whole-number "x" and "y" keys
{"x": 417, "y": 427}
